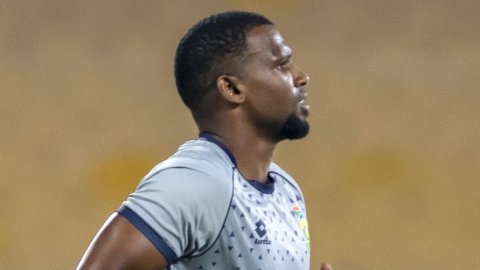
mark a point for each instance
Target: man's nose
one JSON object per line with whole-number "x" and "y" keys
{"x": 301, "y": 78}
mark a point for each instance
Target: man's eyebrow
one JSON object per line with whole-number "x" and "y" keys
{"x": 283, "y": 57}
{"x": 285, "y": 53}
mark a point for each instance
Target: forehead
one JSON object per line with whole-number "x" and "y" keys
{"x": 266, "y": 42}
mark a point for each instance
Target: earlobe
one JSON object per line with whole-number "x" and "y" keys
{"x": 230, "y": 89}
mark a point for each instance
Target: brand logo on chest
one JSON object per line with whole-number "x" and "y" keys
{"x": 261, "y": 231}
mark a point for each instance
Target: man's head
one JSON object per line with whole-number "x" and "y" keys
{"x": 236, "y": 65}
{"x": 212, "y": 47}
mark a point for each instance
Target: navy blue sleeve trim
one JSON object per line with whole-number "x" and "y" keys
{"x": 151, "y": 235}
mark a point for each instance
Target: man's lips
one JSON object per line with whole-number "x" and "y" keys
{"x": 304, "y": 107}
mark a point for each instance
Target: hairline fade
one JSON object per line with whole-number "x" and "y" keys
{"x": 209, "y": 49}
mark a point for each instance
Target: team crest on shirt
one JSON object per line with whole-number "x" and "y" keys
{"x": 297, "y": 212}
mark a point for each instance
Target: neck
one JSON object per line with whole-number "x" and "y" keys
{"x": 252, "y": 153}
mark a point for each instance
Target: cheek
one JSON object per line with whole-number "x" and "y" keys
{"x": 272, "y": 93}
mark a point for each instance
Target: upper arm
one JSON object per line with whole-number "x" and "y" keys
{"x": 174, "y": 212}
{"x": 120, "y": 245}
{"x": 180, "y": 210}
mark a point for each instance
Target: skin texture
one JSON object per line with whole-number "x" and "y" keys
{"x": 247, "y": 112}
{"x": 276, "y": 84}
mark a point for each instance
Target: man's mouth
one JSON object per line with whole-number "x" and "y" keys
{"x": 304, "y": 107}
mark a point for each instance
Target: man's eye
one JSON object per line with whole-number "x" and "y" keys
{"x": 282, "y": 65}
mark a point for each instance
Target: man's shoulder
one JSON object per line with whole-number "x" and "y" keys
{"x": 277, "y": 171}
{"x": 198, "y": 159}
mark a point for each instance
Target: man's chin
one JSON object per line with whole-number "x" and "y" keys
{"x": 295, "y": 128}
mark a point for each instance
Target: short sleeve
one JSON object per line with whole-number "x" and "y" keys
{"x": 180, "y": 210}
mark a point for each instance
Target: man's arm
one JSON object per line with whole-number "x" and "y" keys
{"x": 120, "y": 245}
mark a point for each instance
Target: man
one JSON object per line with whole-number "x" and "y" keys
{"x": 220, "y": 202}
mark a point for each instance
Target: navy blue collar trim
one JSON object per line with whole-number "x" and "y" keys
{"x": 266, "y": 188}
{"x": 209, "y": 137}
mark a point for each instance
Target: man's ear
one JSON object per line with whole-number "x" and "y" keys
{"x": 231, "y": 89}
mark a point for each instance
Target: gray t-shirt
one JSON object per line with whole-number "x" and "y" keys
{"x": 200, "y": 213}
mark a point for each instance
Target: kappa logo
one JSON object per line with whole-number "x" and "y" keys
{"x": 261, "y": 231}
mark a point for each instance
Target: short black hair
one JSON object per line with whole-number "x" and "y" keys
{"x": 210, "y": 46}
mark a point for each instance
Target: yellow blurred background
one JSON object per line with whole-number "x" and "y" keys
{"x": 390, "y": 170}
